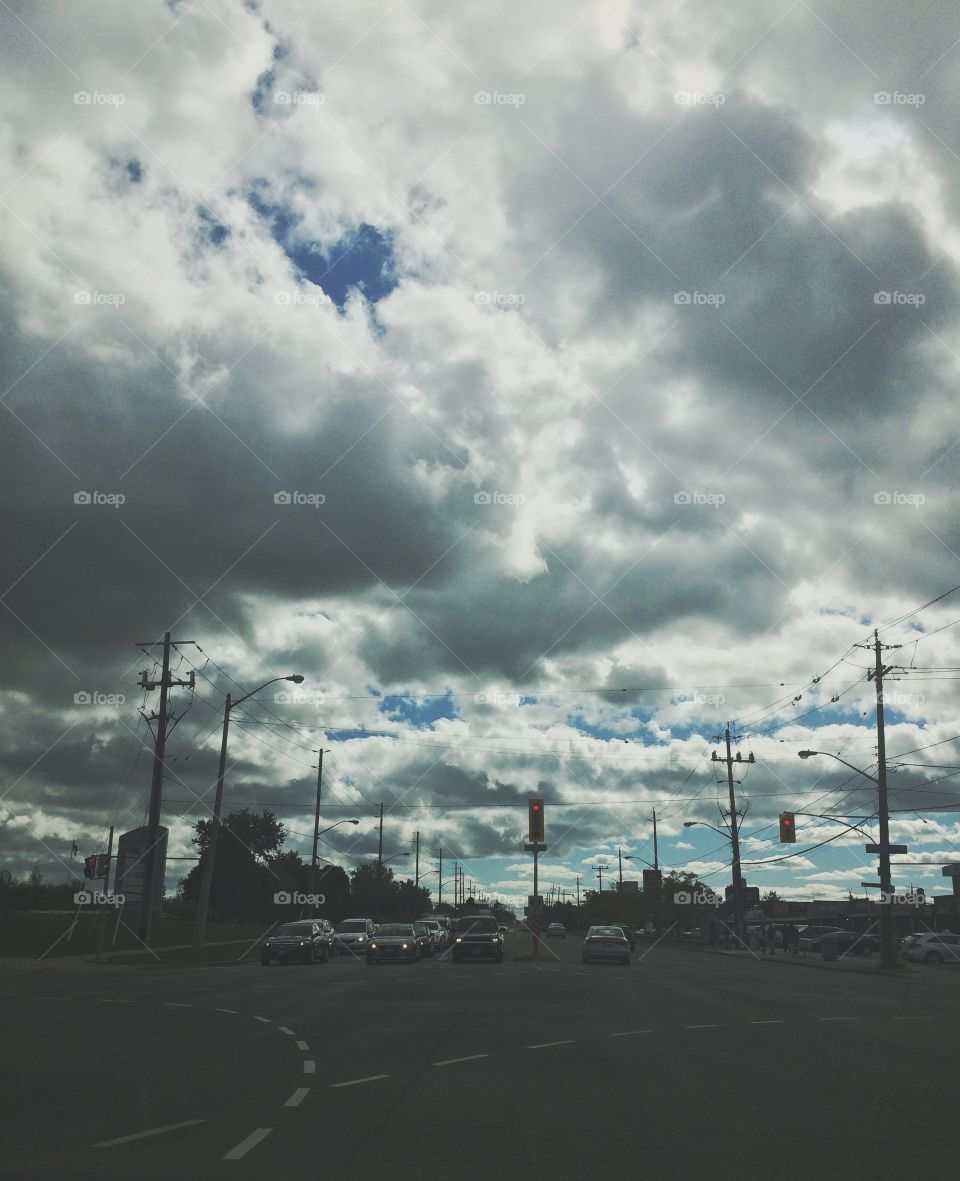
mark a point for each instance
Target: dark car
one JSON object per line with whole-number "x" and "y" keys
{"x": 425, "y": 938}
{"x": 393, "y": 942}
{"x": 477, "y": 937}
{"x": 304, "y": 942}
{"x": 353, "y": 935}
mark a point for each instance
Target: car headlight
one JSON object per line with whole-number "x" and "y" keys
{"x": 360, "y": 939}
{"x": 373, "y": 947}
{"x": 458, "y": 939}
{"x": 404, "y": 946}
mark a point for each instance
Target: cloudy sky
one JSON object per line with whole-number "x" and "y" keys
{"x": 550, "y": 384}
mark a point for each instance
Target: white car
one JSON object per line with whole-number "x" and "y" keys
{"x": 932, "y": 947}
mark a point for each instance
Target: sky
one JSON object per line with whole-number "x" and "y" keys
{"x": 552, "y": 385}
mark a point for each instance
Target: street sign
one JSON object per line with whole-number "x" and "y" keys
{"x": 535, "y": 900}
{"x": 950, "y": 871}
{"x": 534, "y": 847}
{"x": 870, "y": 885}
{"x": 887, "y": 848}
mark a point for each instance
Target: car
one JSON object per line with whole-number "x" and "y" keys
{"x": 438, "y": 933}
{"x": 425, "y": 938}
{"x": 394, "y": 942}
{"x": 446, "y": 927}
{"x": 305, "y": 941}
{"x": 810, "y": 936}
{"x": 934, "y": 948}
{"x": 477, "y": 937}
{"x": 556, "y": 931}
{"x": 352, "y": 935}
{"x": 606, "y": 943}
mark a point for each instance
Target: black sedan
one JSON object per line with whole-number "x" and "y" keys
{"x": 394, "y": 943}
{"x": 304, "y": 942}
{"x": 476, "y": 938}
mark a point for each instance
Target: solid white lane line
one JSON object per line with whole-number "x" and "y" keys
{"x": 631, "y": 1032}
{"x": 265, "y": 1020}
{"x": 187, "y": 1123}
{"x": 297, "y": 1097}
{"x": 371, "y": 1078}
{"x": 283, "y": 1029}
{"x": 309, "y": 1066}
{"x": 245, "y": 1145}
{"x": 543, "y": 1045}
{"x": 302, "y": 1046}
{"x": 467, "y": 1058}
{"x": 234, "y": 1011}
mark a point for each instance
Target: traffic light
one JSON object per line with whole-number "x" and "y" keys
{"x": 788, "y": 829}
{"x": 535, "y": 821}
{"x": 90, "y": 867}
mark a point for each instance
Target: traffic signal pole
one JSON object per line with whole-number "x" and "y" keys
{"x": 888, "y": 956}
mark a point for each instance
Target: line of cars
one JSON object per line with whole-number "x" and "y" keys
{"x": 317, "y": 940}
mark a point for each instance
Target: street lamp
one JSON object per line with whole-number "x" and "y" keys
{"x": 206, "y": 881}
{"x": 316, "y": 837}
{"x": 735, "y": 866}
{"x": 888, "y": 958}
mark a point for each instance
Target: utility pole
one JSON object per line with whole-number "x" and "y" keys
{"x": 600, "y": 873}
{"x": 147, "y": 894}
{"x": 440, "y": 878}
{"x": 417, "y": 877}
{"x": 656, "y": 866}
{"x": 888, "y": 957}
{"x": 734, "y": 832}
{"x": 316, "y": 825}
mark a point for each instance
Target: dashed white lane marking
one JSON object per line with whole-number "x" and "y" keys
{"x": 245, "y": 1145}
{"x": 838, "y": 1018}
{"x": 766, "y": 1023}
{"x": 176, "y": 1005}
{"x": 631, "y": 1032}
{"x": 265, "y": 1020}
{"x": 915, "y": 1019}
{"x": 543, "y": 1045}
{"x": 302, "y": 1046}
{"x": 718, "y": 1026}
{"x": 309, "y": 1066}
{"x": 53, "y": 998}
{"x": 187, "y": 1123}
{"x": 112, "y": 1001}
{"x": 234, "y": 1011}
{"x": 355, "y": 1082}
{"x": 297, "y": 1097}
{"x": 283, "y": 1029}
{"x": 467, "y": 1058}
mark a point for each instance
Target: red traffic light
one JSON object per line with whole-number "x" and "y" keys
{"x": 788, "y": 829}
{"x": 535, "y": 821}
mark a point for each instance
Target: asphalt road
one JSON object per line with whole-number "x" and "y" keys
{"x": 686, "y": 1064}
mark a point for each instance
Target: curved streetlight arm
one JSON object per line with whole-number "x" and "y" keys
{"x": 703, "y": 824}
{"x": 296, "y": 678}
{"x": 805, "y": 754}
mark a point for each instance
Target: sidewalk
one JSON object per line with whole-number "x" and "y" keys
{"x": 811, "y": 959}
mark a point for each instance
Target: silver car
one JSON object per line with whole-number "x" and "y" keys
{"x": 932, "y": 947}
{"x": 353, "y": 935}
{"x": 606, "y": 943}
{"x": 394, "y": 942}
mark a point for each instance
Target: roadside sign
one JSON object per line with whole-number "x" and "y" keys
{"x": 534, "y": 847}
{"x": 950, "y": 871}
{"x": 885, "y": 848}
{"x": 870, "y": 885}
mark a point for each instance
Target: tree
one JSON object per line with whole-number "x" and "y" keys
{"x": 245, "y": 874}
